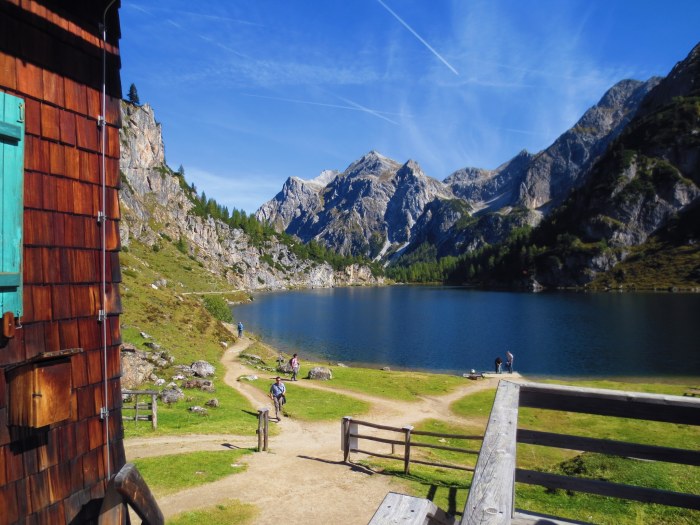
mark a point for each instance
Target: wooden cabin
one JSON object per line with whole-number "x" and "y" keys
{"x": 61, "y": 435}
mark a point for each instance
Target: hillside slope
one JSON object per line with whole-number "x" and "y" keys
{"x": 158, "y": 206}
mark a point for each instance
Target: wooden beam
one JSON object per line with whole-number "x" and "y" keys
{"x": 635, "y": 405}
{"x": 612, "y": 490}
{"x": 409, "y": 510}
{"x": 610, "y": 447}
{"x": 134, "y": 490}
{"x": 490, "y": 500}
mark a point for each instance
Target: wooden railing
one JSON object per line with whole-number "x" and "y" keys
{"x": 128, "y": 489}
{"x": 492, "y": 493}
{"x": 350, "y": 431}
{"x": 142, "y": 411}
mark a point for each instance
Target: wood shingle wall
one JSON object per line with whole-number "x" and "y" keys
{"x": 51, "y": 57}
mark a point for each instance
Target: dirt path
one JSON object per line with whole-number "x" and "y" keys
{"x": 302, "y": 479}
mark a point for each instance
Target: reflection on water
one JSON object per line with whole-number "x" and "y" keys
{"x": 455, "y": 329}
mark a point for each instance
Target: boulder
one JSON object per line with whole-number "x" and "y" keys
{"x": 171, "y": 395}
{"x": 136, "y": 369}
{"x": 198, "y": 410}
{"x": 203, "y": 369}
{"x": 248, "y": 378}
{"x": 284, "y": 368}
{"x": 320, "y": 372}
{"x": 213, "y": 403}
{"x": 200, "y": 384}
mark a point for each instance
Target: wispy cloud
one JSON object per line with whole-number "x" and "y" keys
{"x": 420, "y": 38}
{"x": 352, "y": 106}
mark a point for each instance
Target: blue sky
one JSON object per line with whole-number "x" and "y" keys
{"x": 250, "y": 92}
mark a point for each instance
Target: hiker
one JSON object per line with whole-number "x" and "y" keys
{"x": 294, "y": 363}
{"x": 240, "y": 329}
{"x": 277, "y": 391}
{"x": 509, "y": 361}
{"x": 499, "y": 361}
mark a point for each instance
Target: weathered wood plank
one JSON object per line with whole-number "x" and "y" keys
{"x": 635, "y": 405}
{"x": 531, "y": 518}
{"x": 129, "y": 483}
{"x": 490, "y": 500}
{"x": 408, "y": 510}
{"x": 612, "y": 490}
{"x": 610, "y": 447}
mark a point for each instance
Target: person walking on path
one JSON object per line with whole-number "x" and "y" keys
{"x": 509, "y": 361}
{"x": 277, "y": 393}
{"x": 499, "y": 361}
{"x": 240, "y": 329}
{"x": 294, "y": 362}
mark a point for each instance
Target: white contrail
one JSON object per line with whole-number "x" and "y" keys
{"x": 418, "y": 37}
{"x": 353, "y": 105}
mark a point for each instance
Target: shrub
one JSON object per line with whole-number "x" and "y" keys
{"x": 218, "y": 307}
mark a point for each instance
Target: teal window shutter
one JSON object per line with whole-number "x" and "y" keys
{"x": 11, "y": 202}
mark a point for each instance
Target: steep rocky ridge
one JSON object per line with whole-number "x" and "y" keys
{"x": 648, "y": 179}
{"x": 155, "y": 203}
{"x": 367, "y": 209}
{"x": 378, "y": 208}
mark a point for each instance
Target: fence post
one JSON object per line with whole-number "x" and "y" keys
{"x": 262, "y": 428}
{"x": 136, "y": 408}
{"x": 407, "y": 449}
{"x": 345, "y": 437}
{"x": 154, "y": 410}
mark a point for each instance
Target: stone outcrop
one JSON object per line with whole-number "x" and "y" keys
{"x": 151, "y": 193}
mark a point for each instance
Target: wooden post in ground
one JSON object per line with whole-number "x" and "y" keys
{"x": 345, "y": 437}
{"x": 407, "y": 449}
{"x": 262, "y": 428}
{"x": 154, "y": 410}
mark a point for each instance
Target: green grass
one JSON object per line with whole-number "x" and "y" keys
{"x": 176, "y": 472}
{"x": 404, "y": 386}
{"x": 233, "y": 416}
{"x": 309, "y": 404}
{"x": 181, "y": 325}
{"x": 231, "y": 512}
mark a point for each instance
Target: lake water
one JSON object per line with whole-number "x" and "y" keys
{"x": 455, "y": 329}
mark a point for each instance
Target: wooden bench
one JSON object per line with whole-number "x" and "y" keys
{"x": 409, "y": 510}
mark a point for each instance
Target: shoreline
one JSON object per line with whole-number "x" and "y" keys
{"x": 533, "y": 377}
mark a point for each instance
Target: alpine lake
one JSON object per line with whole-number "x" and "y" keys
{"x": 454, "y": 330}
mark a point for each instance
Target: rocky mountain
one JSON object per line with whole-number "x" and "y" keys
{"x": 381, "y": 209}
{"x": 646, "y": 184}
{"x": 156, "y": 203}
{"x": 368, "y": 209}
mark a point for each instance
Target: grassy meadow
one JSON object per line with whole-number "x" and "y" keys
{"x": 176, "y": 317}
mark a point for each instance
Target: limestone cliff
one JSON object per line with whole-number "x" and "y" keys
{"x": 155, "y": 200}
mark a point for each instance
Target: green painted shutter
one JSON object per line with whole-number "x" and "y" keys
{"x": 11, "y": 202}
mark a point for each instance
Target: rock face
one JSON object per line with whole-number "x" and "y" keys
{"x": 368, "y": 209}
{"x": 151, "y": 193}
{"x": 379, "y": 208}
{"x": 648, "y": 179}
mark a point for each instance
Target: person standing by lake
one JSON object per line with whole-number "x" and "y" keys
{"x": 240, "y": 329}
{"x": 294, "y": 362}
{"x": 499, "y": 361}
{"x": 509, "y": 361}
{"x": 277, "y": 393}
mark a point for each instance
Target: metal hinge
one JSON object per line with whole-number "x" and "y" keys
{"x": 101, "y": 121}
{"x": 101, "y": 316}
{"x": 104, "y": 412}
{"x": 101, "y": 217}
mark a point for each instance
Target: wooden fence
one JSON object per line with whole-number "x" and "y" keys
{"x": 491, "y": 498}
{"x": 143, "y": 411}
{"x": 350, "y": 433}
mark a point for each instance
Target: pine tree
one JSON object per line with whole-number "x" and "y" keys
{"x": 134, "y": 95}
